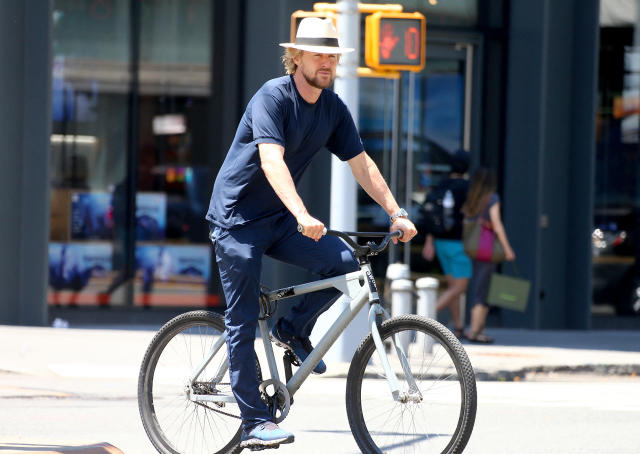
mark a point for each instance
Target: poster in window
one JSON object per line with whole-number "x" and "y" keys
{"x": 80, "y": 266}
{"x": 170, "y": 267}
{"x": 96, "y": 214}
{"x": 91, "y": 216}
{"x": 151, "y": 216}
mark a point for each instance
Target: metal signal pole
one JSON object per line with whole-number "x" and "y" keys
{"x": 343, "y": 187}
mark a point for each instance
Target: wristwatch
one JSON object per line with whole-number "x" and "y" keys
{"x": 401, "y": 213}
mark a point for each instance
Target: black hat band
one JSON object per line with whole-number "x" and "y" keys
{"x": 328, "y": 42}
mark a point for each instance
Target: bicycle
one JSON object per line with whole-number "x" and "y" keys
{"x": 410, "y": 385}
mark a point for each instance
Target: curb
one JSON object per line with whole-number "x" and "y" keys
{"x": 520, "y": 374}
{"x": 618, "y": 370}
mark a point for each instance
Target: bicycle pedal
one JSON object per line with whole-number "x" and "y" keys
{"x": 290, "y": 357}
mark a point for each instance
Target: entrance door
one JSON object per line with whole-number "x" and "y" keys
{"x": 445, "y": 98}
{"x": 412, "y": 125}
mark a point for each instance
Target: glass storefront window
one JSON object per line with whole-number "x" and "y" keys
{"x": 96, "y": 256}
{"x": 174, "y": 181}
{"x": 91, "y": 79}
{"x": 438, "y": 131}
{"x": 375, "y": 126}
{"x": 440, "y": 107}
{"x": 616, "y": 228}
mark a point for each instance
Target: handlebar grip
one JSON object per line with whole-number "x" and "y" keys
{"x": 301, "y": 230}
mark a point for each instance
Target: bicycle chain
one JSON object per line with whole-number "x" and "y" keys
{"x": 217, "y": 411}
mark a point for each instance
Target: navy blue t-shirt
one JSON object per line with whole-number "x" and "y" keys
{"x": 493, "y": 199}
{"x": 278, "y": 114}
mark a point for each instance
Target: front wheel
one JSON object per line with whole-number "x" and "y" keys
{"x": 438, "y": 416}
{"x": 172, "y": 399}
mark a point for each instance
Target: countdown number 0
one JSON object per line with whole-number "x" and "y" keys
{"x": 412, "y": 43}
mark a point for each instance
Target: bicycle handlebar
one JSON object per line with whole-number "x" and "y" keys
{"x": 371, "y": 248}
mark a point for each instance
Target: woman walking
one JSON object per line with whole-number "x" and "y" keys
{"x": 482, "y": 200}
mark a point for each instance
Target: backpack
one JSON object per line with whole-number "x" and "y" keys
{"x": 438, "y": 211}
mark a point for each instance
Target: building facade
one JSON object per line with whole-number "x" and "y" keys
{"x": 120, "y": 113}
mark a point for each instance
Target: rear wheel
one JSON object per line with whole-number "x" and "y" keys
{"x": 174, "y": 422}
{"x": 438, "y": 416}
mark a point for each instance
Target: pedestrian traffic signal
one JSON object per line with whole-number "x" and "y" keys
{"x": 297, "y": 16}
{"x": 395, "y": 41}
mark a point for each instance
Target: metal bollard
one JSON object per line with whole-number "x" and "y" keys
{"x": 427, "y": 288}
{"x": 401, "y": 303}
{"x": 463, "y": 308}
{"x": 394, "y": 271}
{"x": 397, "y": 271}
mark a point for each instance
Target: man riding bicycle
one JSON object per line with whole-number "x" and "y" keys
{"x": 255, "y": 210}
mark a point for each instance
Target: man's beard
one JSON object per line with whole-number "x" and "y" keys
{"x": 314, "y": 82}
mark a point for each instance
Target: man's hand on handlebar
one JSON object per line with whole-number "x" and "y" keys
{"x": 407, "y": 228}
{"x": 310, "y": 227}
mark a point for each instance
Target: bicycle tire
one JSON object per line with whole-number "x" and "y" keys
{"x": 442, "y": 421}
{"x": 174, "y": 423}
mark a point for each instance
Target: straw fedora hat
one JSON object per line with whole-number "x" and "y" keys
{"x": 317, "y": 35}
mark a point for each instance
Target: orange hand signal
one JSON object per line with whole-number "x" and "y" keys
{"x": 388, "y": 41}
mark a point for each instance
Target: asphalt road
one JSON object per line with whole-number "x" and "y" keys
{"x": 582, "y": 415}
{"x": 66, "y": 388}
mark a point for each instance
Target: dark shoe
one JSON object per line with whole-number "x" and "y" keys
{"x": 265, "y": 436}
{"x": 480, "y": 338}
{"x": 300, "y": 347}
{"x": 459, "y": 333}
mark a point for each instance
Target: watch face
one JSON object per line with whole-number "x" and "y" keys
{"x": 401, "y": 213}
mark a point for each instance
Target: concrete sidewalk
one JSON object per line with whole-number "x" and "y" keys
{"x": 528, "y": 354}
{"x": 116, "y": 352}
{"x": 517, "y": 353}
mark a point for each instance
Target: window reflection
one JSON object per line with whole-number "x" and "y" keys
{"x": 155, "y": 253}
{"x": 91, "y": 80}
{"x": 174, "y": 179}
{"x": 616, "y": 232}
{"x": 437, "y": 130}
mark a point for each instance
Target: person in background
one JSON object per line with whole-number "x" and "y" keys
{"x": 482, "y": 200}
{"x": 448, "y": 245}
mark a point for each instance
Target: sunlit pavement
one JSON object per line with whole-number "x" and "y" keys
{"x": 76, "y": 388}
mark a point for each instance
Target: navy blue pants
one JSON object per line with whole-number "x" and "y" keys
{"x": 239, "y": 254}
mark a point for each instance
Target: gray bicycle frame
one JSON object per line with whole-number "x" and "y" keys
{"x": 360, "y": 287}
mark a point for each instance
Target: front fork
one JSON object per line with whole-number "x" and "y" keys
{"x": 377, "y": 314}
